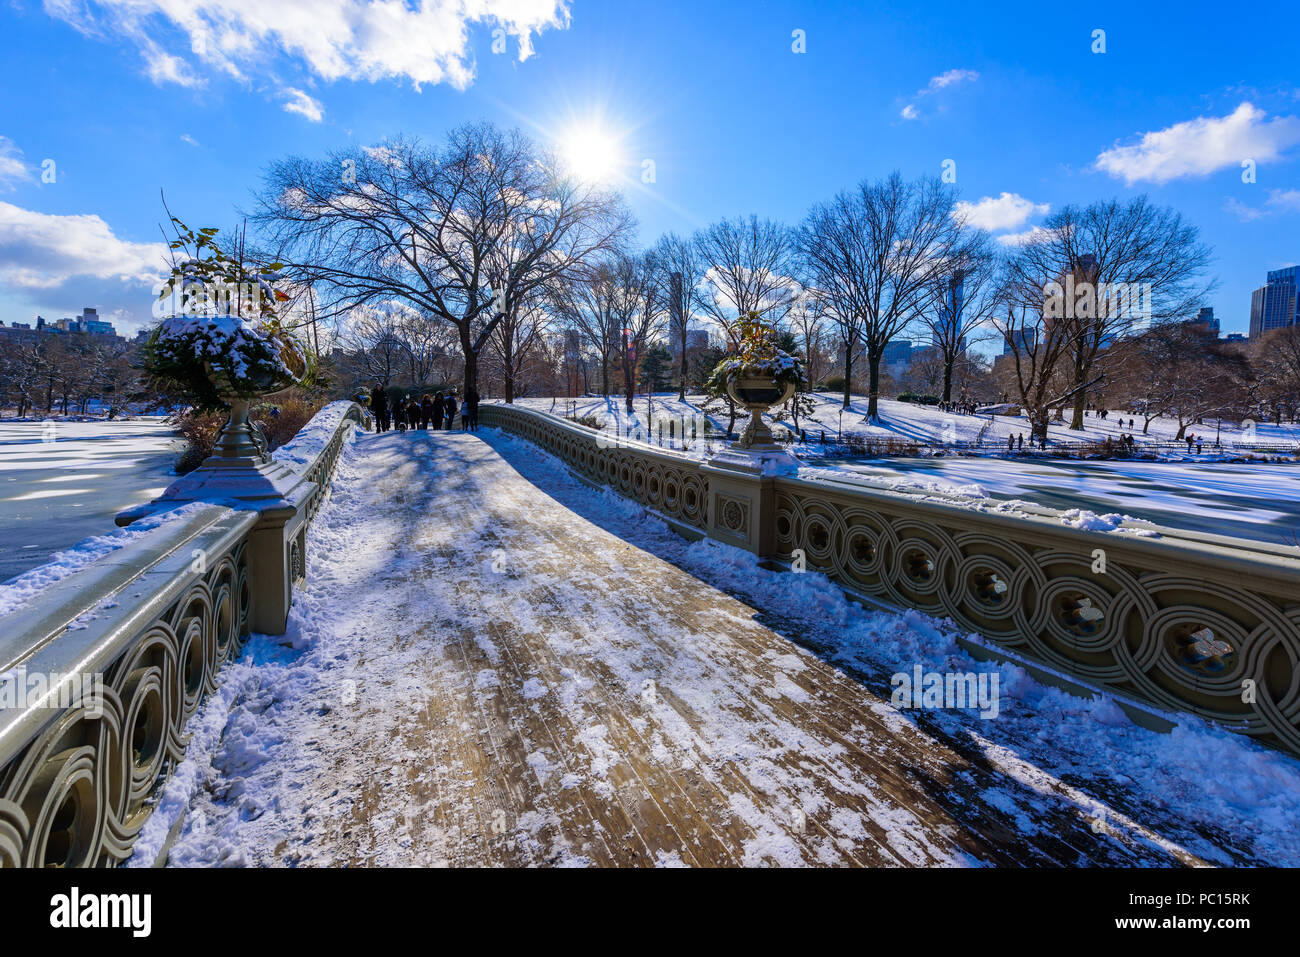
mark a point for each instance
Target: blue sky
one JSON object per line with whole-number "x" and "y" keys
{"x": 198, "y": 96}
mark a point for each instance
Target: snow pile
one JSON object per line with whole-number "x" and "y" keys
{"x": 1092, "y": 522}
{"x": 299, "y": 453}
{"x": 226, "y": 342}
{"x": 1088, "y": 521}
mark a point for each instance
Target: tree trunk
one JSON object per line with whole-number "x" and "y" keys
{"x": 471, "y": 363}
{"x": 848, "y": 374}
{"x": 947, "y": 380}
{"x": 873, "y": 394}
{"x": 681, "y": 391}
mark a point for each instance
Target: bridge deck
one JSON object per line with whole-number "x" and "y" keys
{"x": 482, "y": 676}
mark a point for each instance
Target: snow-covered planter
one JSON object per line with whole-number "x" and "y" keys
{"x": 761, "y": 377}
{"x": 216, "y": 359}
{"x": 221, "y": 342}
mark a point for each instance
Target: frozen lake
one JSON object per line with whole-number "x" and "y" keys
{"x": 61, "y": 482}
{"x": 1246, "y": 500}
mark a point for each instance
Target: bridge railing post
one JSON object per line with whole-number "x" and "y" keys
{"x": 742, "y": 497}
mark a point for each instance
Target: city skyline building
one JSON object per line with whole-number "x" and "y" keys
{"x": 1275, "y": 305}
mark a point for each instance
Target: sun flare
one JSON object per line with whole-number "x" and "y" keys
{"x": 592, "y": 154}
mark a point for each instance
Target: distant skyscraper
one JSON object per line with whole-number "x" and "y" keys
{"x": 1027, "y": 337}
{"x": 896, "y": 352}
{"x": 1275, "y": 305}
{"x": 1206, "y": 319}
{"x": 953, "y": 300}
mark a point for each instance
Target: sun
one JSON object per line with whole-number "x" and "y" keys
{"x": 592, "y": 154}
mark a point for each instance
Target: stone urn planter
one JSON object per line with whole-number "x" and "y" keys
{"x": 241, "y": 438}
{"x": 757, "y": 391}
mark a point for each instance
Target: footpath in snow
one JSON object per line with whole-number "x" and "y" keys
{"x": 492, "y": 663}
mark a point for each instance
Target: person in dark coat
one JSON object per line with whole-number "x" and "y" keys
{"x": 471, "y": 401}
{"x": 436, "y": 411}
{"x": 449, "y": 410}
{"x": 426, "y": 410}
{"x": 379, "y": 406}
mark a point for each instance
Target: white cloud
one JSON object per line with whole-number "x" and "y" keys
{"x": 1029, "y": 235}
{"x": 186, "y": 138}
{"x": 425, "y": 41}
{"x": 1279, "y": 201}
{"x": 1202, "y": 146}
{"x": 41, "y": 251}
{"x": 1002, "y": 212}
{"x": 12, "y": 167}
{"x": 943, "y": 80}
{"x": 952, "y": 77}
{"x": 299, "y": 102}
{"x": 1245, "y": 213}
{"x": 1287, "y": 200}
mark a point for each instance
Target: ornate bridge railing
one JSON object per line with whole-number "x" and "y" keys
{"x": 672, "y": 484}
{"x": 101, "y": 671}
{"x": 1176, "y": 620}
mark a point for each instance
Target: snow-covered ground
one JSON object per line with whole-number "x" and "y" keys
{"x": 911, "y": 422}
{"x": 1251, "y": 500}
{"x": 477, "y": 637}
{"x": 61, "y": 481}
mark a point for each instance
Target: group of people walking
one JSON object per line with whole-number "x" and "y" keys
{"x": 437, "y": 411}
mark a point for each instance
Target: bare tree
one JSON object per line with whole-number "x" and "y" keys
{"x": 1131, "y": 264}
{"x": 516, "y": 339}
{"x": 872, "y": 255}
{"x": 962, "y": 300}
{"x": 639, "y": 308}
{"x": 460, "y": 233}
{"x": 1034, "y": 344}
{"x": 588, "y": 303}
{"x": 807, "y": 323}
{"x": 748, "y": 268}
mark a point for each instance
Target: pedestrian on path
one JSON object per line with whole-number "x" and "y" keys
{"x": 379, "y": 406}
{"x": 436, "y": 411}
{"x": 464, "y": 416}
{"x": 449, "y": 409}
{"x": 471, "y": 399}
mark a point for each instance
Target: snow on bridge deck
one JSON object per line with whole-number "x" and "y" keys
{"x": 493, "y": 664}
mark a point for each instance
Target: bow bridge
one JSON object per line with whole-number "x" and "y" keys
{"x": 450, "y": 648}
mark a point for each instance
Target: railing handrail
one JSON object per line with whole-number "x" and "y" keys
{"x": 166, "y": 573}
{"x": 1270, "y": 556}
